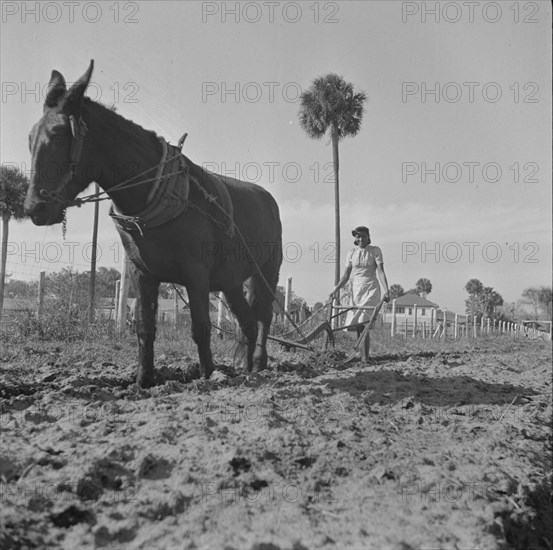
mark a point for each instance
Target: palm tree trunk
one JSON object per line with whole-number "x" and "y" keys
{"x": 3, "y": 261}
{"x": 336, "y": 165}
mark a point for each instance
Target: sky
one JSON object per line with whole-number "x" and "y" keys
{"x": 451, "y": 169}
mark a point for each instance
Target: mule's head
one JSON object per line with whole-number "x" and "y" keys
{"x": 56, "y": 143}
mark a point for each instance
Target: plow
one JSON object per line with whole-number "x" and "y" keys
{"x": 311, "y": 331}
{"x": 326, "y": 328}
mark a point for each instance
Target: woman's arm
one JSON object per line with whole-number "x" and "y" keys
{"x": 383, "y": 281}
{"x": 341, "y": 282}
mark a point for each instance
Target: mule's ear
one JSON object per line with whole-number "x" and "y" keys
{"x": 56, "y": 88}
{"x": 76, "y": 92}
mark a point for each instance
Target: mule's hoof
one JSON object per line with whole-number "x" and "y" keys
{"x": 146, "y": 381}
{"x": 206, "y": 373}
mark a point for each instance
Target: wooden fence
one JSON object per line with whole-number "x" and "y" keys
{"x": 444, "y": 324}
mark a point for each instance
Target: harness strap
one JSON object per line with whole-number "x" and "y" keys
{"x": 79, "y": 130}
{"x": 167, "y": 199}
{"x": 159, "y": 172}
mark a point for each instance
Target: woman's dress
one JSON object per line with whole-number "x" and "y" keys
{"x": 365, "y": 289}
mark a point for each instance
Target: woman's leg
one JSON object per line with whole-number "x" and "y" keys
{"x": 364, "y": 348}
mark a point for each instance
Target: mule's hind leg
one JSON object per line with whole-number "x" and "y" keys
{"x": 262, "y": 305}
{"x": 246, "y": 318}
{"x": 198, "y": 295}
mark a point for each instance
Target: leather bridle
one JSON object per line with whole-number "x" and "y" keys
{"x": 78, "y": 131}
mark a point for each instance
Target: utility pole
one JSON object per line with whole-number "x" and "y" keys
{"x": 92, "y": 291}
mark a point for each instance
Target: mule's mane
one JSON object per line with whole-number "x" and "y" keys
{"x": 138, "y": 144}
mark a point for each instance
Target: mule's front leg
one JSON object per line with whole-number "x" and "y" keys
{"x": 201, "y": 327}
{"x": 146, "y": 308}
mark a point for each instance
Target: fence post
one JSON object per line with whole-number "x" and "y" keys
{"x": 117, "y": 292}
{"x": 424, "y": 330}
{"x": 123, "y": 296}
{"x": 40, "y": 304}
{"x": 444, "y": 332}
{"x": 393, "y": 317}
{"x": 432, "y": 319}
{"x": 176, "y": 308}
{"x": 415, "y": 321}
{"x": 456, "y": 331}
{"x": 474, "y": 329}
{"x": 288, "y": 295}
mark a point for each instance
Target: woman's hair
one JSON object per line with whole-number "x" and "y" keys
{"x": 360, "y": 229}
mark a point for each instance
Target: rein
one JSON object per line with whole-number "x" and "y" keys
{"x": 79, "y": 130}
{"x": 76, "y": 152}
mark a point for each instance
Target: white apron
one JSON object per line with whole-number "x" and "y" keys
{"x": 365, "y": 290}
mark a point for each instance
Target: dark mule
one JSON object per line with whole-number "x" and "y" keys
{"x": 178, "y": 222}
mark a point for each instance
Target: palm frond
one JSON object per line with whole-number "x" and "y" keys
{"x": 13, "y": 188}
{"x": 331, "y": 105}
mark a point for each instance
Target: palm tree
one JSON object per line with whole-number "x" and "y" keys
{"x": 491, "y": 299}
{"x": 474, "y": 287}
{"x": 423, "y": 285}
{"x": 330, "y": 105}
{"x": 396, "y": 291}
{"x": 13, "y": 187}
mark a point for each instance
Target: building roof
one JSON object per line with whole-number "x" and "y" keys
{"x": 411, "y": 300}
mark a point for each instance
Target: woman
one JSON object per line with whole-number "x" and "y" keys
{"x": 365, "y": 266}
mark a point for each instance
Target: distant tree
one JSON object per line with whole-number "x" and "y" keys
{"x": 505, "y": 312}
{"x": 21, "y": 289}
{"x": 296, "y": 303}
{"x": 531, "y": 298}
{"x": 423, "y": 285}
{"x": 474, "y": 287}
{"x": 166, "y": 291}
{"x": 539, "y": 298}
{"x": 489, "y": 300}
{"x": 331, "y": 106}
{"x": 396, "y": 291}
{"x": 106, "y": 279}
{"x": 68, "y": 288}
{"x": 546, "y": 301}
{"x": 13, "y": 187}
{"x": 483, "y": 301}
{"x": 412, "y": 291}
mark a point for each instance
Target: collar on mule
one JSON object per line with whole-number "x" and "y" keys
{"x": 167, "y": 198}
